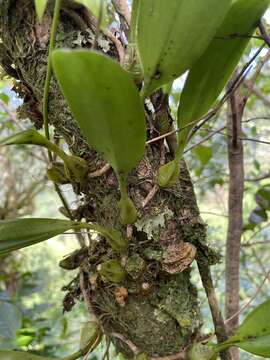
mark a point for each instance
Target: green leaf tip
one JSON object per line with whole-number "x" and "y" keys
{"x": 128, "y": 212}
{"x": 168, "y": 174}
{"x": 40, "y": 8}
{"x": 201, "y": 352}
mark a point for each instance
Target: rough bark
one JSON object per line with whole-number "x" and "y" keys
{"x": 160, "y": 313}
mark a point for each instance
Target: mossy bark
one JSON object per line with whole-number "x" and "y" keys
{"x": 159, "y": 311}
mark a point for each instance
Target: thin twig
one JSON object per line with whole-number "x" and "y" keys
{"x": 207, "y": 281}
{"x": 264, "y": 33}
{"x": 100, "y": 172}
{"x": 251, "y": 300}
{"x": 128, "y": 342}
{"x": 150, "y": 196}
{"x": 86, "y": 297}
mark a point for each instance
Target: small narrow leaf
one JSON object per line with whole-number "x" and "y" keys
{"x": 19, "y": 233}
{"x": 171, "y": 38}
{"x": 18, "y": 355}
{"x": 74, "y": 167}
{"x": 40, "y": 8}
{"x": 106, "y": 105}
{"x": 210, "y": 73}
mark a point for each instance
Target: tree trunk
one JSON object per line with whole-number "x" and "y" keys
{"x": 158, "y": 309}
{"x": 235, "y": 211}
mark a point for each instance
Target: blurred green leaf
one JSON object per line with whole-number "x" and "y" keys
{"x": 18, "y": 355}
{"x": 165, "y": 34}
{"x": 203, "y": 153}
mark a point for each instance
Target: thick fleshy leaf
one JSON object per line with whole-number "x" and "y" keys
{"x": 19, "y": 233}
{"x": 210, "y": 73}
{"x": 18, "y": 355}
{"x": 108, "y": 109}
{"x": 172, "y": 36}
{"x": 40, "y": 7}
{"x": 105, "y": 103}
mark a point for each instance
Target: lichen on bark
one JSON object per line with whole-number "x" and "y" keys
{"x": 159, "y": 310}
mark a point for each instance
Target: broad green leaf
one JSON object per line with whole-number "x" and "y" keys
{"x": 19, "y": 233}
{"x": 106, "y": 105}
{"x": 40, "y": 8}
{"x": 18, "y": 355}
{"x": 75, "y": 167}
{"x": 172, "y": 36}
{"x": 210, "y": 73}
{"x": 208, "y": 76}
{"x": 253, "y": 334}
{"x": 10, "y": 320}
